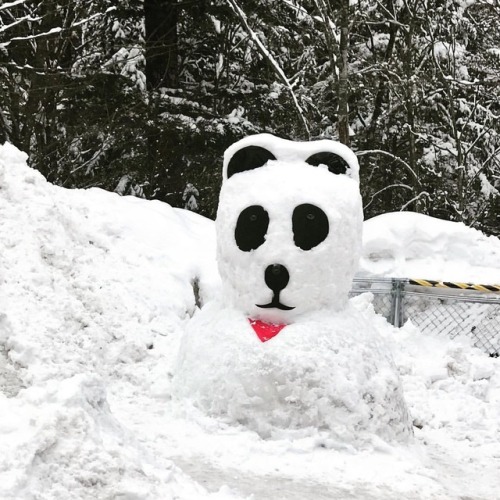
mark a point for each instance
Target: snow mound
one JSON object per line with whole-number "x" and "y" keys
{"x": 91, "y": 287}
{"x": 62, "y": 440}
{"x": 411, "y": 245}
{"x": 330, "y": 372}
{"x": 88, "y": 337}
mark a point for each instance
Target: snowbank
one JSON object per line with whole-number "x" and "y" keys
{"x": 91, "y": 285}
{"x": 411, "y": 245}
{"x": 95, "y": 291}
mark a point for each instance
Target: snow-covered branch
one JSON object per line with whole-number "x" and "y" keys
{"x": 52, "y": 31}
{"x": 94, "y": 16}
{"x": 11, "y": 4}
{"x": 415, "y": 198}
{"x": 277, "y": 68}
{"x": 390, "y": 155}
{"x": 18, "y": 21}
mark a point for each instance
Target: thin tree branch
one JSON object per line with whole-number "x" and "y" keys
{"x": 415, "y": 198}
{"x": 263, "y": 50}
{"x": 385, "y": 189}
{"x": 57, "y": 30}
{"x": 393, "y": 157}
{"x": 11, "y": 4}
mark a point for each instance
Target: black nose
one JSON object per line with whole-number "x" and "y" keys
{"x": 276, "y": 277}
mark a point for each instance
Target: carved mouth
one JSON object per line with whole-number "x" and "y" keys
{"x": 275, "y": 302}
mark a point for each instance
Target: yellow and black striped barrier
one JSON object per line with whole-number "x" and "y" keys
{"x": 455, "y": 285}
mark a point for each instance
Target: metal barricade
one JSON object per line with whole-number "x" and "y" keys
{"x": 442, "y": 308}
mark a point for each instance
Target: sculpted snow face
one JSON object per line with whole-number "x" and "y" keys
{"x": 288, "y": 226}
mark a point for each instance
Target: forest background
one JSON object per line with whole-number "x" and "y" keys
{"x": 142, "y": 97}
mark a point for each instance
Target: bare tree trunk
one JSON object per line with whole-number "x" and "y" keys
{"x": 343, "y": 89}
{"x": 409, "y": 69}
{"x": 160, "y": 19}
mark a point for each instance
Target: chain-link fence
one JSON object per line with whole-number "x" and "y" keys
{"x": 443, "y": 311}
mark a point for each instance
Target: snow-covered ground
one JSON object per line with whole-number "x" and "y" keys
{"x": 95, "y": 291}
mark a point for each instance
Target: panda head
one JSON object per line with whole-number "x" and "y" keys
{"x": 288, "y": 226}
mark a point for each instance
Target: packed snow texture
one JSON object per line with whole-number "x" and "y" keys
{"x": 329, "y": 369}
{"x": 320, "y": 277}
{"x": 411, "y": 245}
{"x": 329, "y": 374}
{"x": 86, "y": 288}
{"x": 293, "y": 151}
{"x": 95, "y": 292}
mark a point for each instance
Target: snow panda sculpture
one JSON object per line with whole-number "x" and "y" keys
{"x": 282, "y": 350}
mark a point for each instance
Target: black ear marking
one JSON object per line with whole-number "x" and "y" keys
{"x": 335, "y": 163}
{"x": 247, "y": 159}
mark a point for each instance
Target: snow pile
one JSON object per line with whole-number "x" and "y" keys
{"x": 288, "y": 239}
{"x": 95, "y": 292}
{"x": 453, "y": 392}
{"x": 411, "y": 245}
{"x": 90, "y": 285}
{"x": 328, "y": 372}
{"x": 61, "y": 439}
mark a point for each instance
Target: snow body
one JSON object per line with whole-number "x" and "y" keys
{"x": 328, "y": 369}
{"x": 328, "y": 372}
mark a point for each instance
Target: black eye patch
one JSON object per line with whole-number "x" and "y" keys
{"x": 310, "y": 226}
{"x": 251, "y": 228}
{"x": 335, "y": 163}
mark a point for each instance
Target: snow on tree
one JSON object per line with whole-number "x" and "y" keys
{"x": 413, "y": 86}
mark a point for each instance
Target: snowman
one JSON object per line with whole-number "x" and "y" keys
{"x": 282, "y": 350}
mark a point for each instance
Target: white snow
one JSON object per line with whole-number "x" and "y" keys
{"x": 328, "y": 373}
{"x": 327, "y": 376}
{"x": 89, "y": 283}
{"x": 411, "y": 245}
{"x": 95, "y": 290}
{"x": 279, "y": 189}
{"x": 445, "y": 50}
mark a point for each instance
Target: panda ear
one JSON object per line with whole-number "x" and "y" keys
{"x": 248, "y": 158}
{"x": 335, "y": 163}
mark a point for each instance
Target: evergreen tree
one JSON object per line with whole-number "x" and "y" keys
{"x": 142, "y": 97}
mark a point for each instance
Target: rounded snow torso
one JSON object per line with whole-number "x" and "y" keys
{"x": 329, "y": 372}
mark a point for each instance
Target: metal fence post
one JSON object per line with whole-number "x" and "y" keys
{"x": 397, "y": 293}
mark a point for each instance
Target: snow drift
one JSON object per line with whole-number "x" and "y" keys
{"x": 95, "y": 291}
{"x": 87, "y": 285}
{"x": 411, "y": 245}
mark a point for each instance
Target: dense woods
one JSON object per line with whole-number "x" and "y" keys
{"x": 142, "y": 97}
